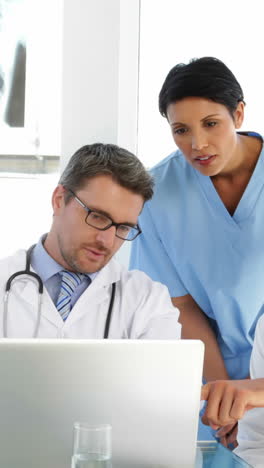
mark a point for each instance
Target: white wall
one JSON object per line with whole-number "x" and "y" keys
{"x": 128, "y": 74}
{"x": 99, "y": 73}
{"x": 26, "y": 210}
{"x": 172, "y": 32}
{"x": 89, "y": 73}
{"x": 100, "y": 77}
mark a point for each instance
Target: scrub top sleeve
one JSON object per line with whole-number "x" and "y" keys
{"x": 149, "y": 255}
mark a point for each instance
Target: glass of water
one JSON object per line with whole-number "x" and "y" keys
{"x": 92, "y": 446}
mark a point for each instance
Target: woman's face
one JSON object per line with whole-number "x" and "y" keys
{"x": 205, "y": 132}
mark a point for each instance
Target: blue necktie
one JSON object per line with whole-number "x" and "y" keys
{"x": 69, "y": 282}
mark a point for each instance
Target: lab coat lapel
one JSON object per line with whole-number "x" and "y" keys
{"x": 97, "y": 293}
{"x": 24, "y": 293}
{"x": 27, "y": 293}
{"x": 49, "y": 311}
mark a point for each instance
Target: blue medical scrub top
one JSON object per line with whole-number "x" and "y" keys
{"x": 192, "y": 244}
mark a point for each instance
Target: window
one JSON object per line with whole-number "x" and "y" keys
{"x": 30, "y": 103}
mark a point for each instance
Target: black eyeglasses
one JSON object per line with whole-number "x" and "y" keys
{"x": 102, "y": 222}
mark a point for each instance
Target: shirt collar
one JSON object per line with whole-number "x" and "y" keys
{"x": 44, "y": 265}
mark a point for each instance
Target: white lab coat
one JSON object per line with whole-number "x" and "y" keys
{"x": 142, "y": 307}
{"x": 251, "y": 426}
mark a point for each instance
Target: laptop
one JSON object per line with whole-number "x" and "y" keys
{"x": 148, "y": 390}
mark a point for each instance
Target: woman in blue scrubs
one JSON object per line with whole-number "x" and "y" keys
{"x": 203, "y": 232}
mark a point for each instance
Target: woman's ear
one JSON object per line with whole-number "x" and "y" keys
{"x": 239, "y": 114}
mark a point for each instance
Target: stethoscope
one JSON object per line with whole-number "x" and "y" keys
{"x": 35, "y": 277}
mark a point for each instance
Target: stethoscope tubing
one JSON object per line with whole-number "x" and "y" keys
{"x": 34, "y": 276}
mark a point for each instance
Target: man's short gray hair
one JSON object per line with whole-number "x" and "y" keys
{"x": 107, "y": 159}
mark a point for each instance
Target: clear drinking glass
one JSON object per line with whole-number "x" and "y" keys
{"x": 92, "y": 446}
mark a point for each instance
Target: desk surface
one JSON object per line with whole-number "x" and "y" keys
{"x": 210, "y": 454}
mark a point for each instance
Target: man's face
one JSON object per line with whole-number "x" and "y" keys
{"x": 78, "y": 246}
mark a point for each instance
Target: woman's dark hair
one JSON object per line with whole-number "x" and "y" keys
{"x": 206, "y": 77}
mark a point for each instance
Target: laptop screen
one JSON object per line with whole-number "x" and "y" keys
{"x": 148, "y": 390}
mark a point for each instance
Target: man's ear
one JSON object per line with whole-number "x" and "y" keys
{"x": 58, "y": 201}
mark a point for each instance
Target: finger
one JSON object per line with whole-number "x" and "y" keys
{"x": 209, "y": 423}
{"x": 223, "y": 441}
{"x": 226, "y": 406}
{"x": 213, "y": 404}
{"x": 228, "y": 445}
{"x": 205, "y": 420}
{"x": 240, "y": 405}
{"x": 205, "y": 390}
{"x": 225, "y": 430}
{"x": 231, "y": 438}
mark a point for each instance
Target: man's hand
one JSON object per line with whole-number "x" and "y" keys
{"x": 227, "y": 400}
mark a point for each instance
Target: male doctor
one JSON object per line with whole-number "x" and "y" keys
{"x": 87, "y": 294}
